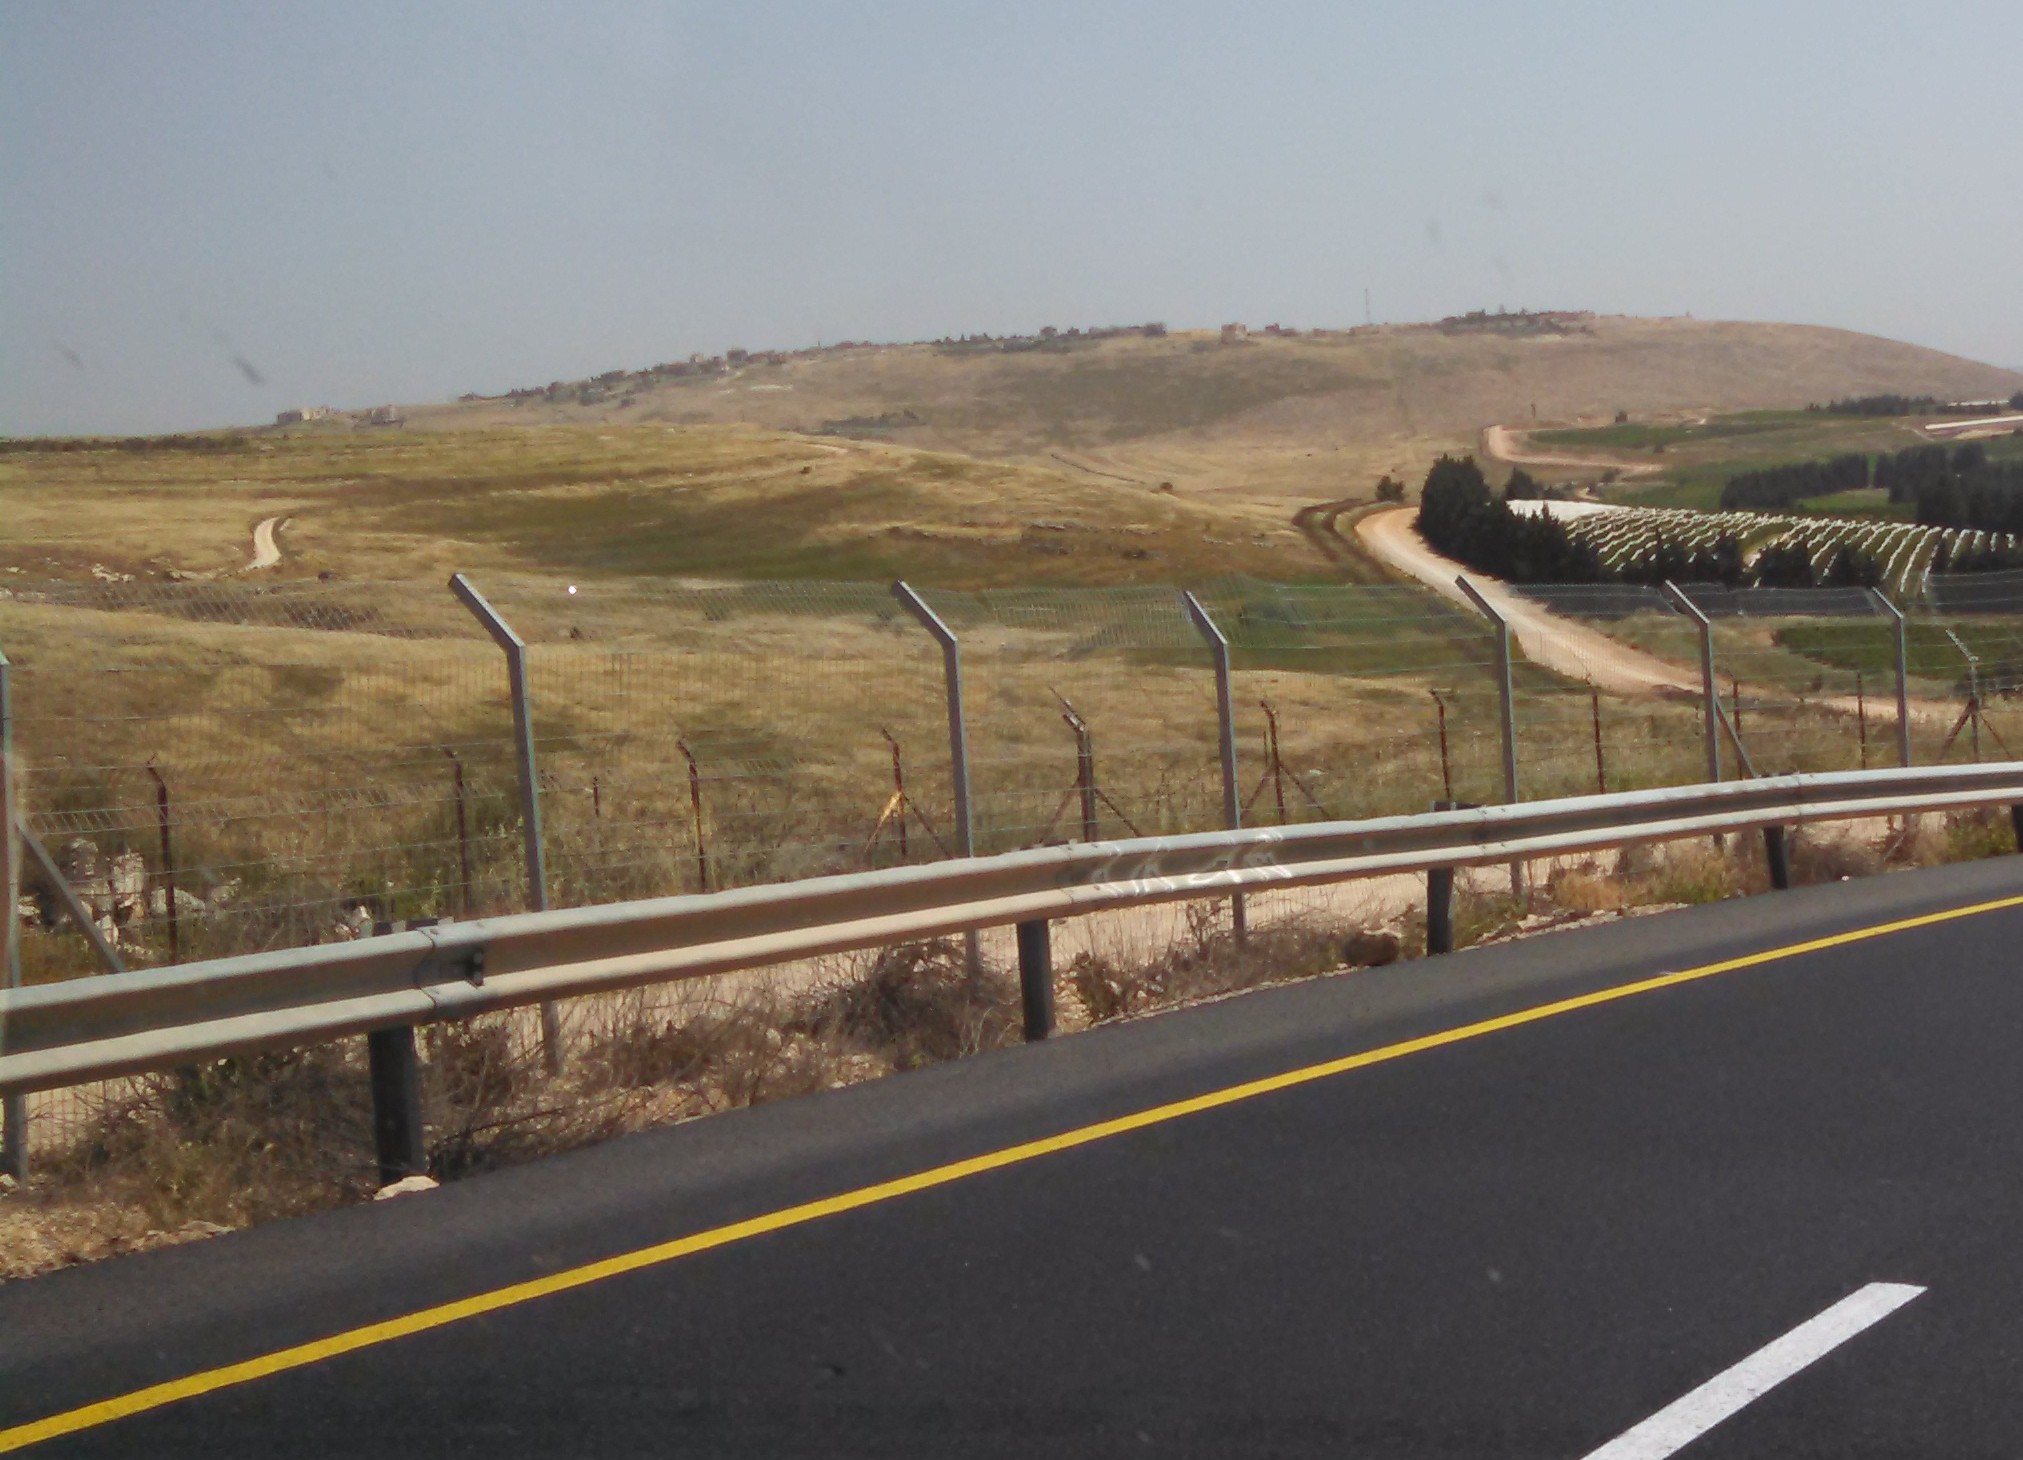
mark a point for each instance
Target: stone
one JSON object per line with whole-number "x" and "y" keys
{"x": 186, "y": 903}
{"x": 406, "y": 1186}
{"x": 127, "y": 886}
{"x": 78, "y": 861}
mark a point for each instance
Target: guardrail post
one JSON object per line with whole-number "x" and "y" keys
{"x": 1903, "y": 675}
{"x": 1507, "y": 705}
{"x": 14, "y": 1108}
{"x": 958, "y": 737}
{"x": 1709, "y": 690}
{"x": 1225, "y": 720}
{"x": 1777, "y": 855}
{"x": 396, "y": 1104}
{"x": 515, "y": 649}
{"x": 1036, "y": 978}
{"x": 1439, "y": 910}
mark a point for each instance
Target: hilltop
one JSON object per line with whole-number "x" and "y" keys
{"x": 1130, "y": 455}
{"x": 1263, "y": 416}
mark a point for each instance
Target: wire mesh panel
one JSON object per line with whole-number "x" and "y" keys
{"x": 1807, "y": 675}
{"x": 1965, "y": 649}
{"x": 1091, "y": 714}
{"x": 1626, "y": 715}
{"x": 700, "y": 737}
{"x": 1358, "y": 701}
{"x": 220, "y": 769}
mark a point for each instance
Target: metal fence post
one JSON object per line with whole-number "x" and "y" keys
{"x": 1506, "y": 694}
{"x": 1710, "y": 691}
{"x": 67, "y": 895}
{"x": 1507, "y": 704}
{"x": 1225, "y": 719}
{"x": 530, "y": 789}
{"x": 1903, "y": 675}
{"x": 958, "y": 736}
{"x": 14, "y": 1109}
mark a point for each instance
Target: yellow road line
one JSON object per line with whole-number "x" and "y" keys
{"x": 211, "y": 1380}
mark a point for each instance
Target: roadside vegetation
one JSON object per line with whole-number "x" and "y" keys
{"x": 180, "y": 1156}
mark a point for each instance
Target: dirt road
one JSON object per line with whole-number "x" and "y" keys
{"x": 1560, "y": 644}
{"x": 266, "y": 551}
{"x": 1567, "y": 646}
{"x": 1503, "y": 443}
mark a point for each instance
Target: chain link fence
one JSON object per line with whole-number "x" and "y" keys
{"x": 217, "y": 768}
{"x": 222, "y": 768}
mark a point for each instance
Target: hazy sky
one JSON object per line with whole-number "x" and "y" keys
{"x": 211, "y": 211}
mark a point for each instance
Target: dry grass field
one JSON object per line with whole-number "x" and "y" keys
{"x": 669, "y": 501}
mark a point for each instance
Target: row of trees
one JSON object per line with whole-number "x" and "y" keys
{"x": 1906, "y": 472}
{"x": 1994, "y": 558}
{"x": 1668, "y": 562}
{"x": 1781, "y": 565}
{"x": 1980, "y": 494}
{"x": 1942, "y": 482}
{"x": 1775, "y": 487}
{"x": 1460, "y": 517}
{"x": 1907, "y": 405}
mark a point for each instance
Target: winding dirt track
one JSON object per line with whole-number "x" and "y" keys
{"x": 1560, "y": 644}
{"x": 266, "y": 550}
{"x": 1569, "y": 647}
{"x": 1502, "y": 443}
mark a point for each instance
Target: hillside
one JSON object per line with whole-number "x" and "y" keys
{"x": 666, "y": 501}
{"x": 1263, "y": 419}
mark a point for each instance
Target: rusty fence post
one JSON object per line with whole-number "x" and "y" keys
{"x": 1601, "y": 766}
{"x": 695, "y": 807}
{"x": 463, "y": 833}
{"x": 168, "y": 863}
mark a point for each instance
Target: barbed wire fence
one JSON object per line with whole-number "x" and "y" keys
{"x": 1965, "y": 653}
{"x": 212, "y": 768}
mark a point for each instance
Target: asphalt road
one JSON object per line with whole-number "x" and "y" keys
{"x": 1524, "y": 1239}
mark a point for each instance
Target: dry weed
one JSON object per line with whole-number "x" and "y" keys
{"x": 1211, "y": 961}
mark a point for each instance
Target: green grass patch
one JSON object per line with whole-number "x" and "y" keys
{"x": 1637, "y": 436}
{"x": 1859, "y": 502}
{"x": 1871, "y": 648}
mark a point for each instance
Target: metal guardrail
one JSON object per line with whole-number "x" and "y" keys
{"x": 126, "y": 1023}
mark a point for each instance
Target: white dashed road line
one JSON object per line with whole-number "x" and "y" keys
{"x": 1685, "y": 1419}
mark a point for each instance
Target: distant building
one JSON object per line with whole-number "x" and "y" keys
{"x": 384, "y": 416}
{"x": 1235, "y": 332}
{"x": 302, "y": 415}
